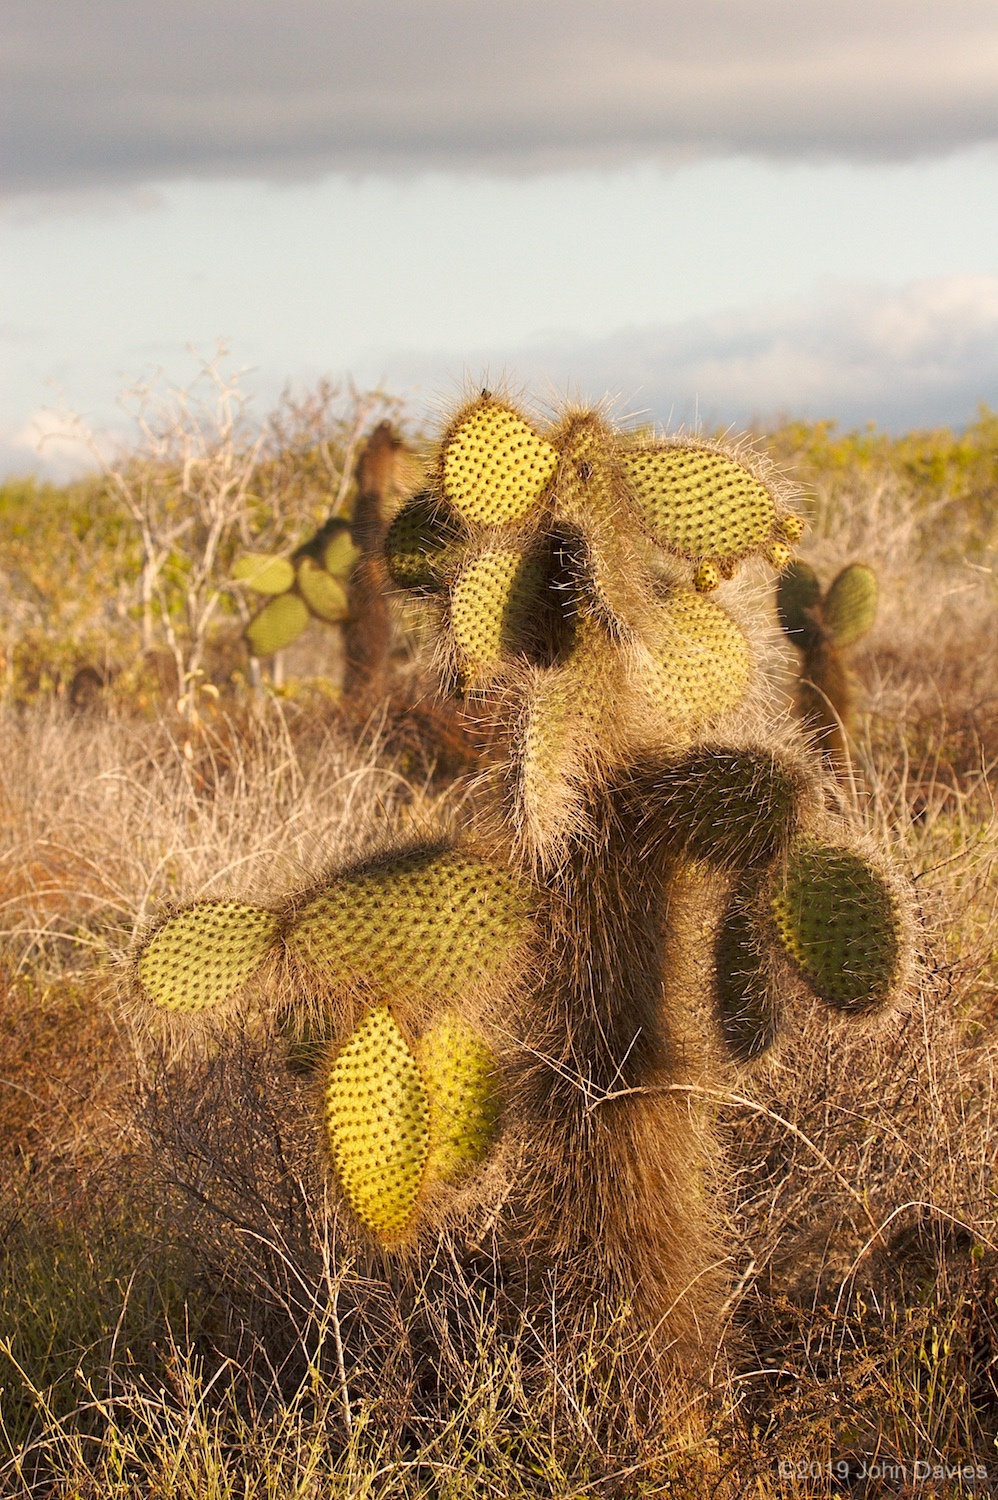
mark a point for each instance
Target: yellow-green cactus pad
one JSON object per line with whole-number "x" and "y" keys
{"x": 204, "y": 955}
{"x": 278, "y": 624}
{"x": 414, "y": 924}
{"x": 419, "y": 546}
{"x": 339, "y": 555}
{"x": 495, "y": 467}
{"x": 850, "y": 606}
{"x": 263, "y": 573}
{"x": 460, "y": 1076}
{"x": 697, "y": 503}
{"x": 697, "y": 663}
{"x": 838, "y": 919}
{"x": 791, "y": 528}
{"x": 325, "y": 595}
{"x": 378, "y": 1123}
{"x": 493, "y": 603}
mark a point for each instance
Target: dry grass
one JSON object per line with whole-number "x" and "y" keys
{"x": 180, "y": 1317}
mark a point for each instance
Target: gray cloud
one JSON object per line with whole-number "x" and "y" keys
{"x": 116, "y": 91}
{"x": 924, "y": 355}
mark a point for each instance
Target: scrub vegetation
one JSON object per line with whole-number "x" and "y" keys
{"x": 179, "y": 1314}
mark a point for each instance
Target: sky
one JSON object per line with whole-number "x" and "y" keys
{"x": 726, "y": 212}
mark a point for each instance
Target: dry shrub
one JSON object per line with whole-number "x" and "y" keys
{"x": 860, "y": 1188}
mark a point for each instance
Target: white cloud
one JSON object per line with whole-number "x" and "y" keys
{"x": 925, "y": 354}
{"x": 114, "y": 91}
{"x": 53, "y": 443}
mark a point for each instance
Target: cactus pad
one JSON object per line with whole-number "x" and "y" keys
{"x": 838, "y": 919}
{"x": 698, "y": 503}
{"x": 263, "y": 573}
{"x": 493, "y": 603}
{"x": 204, "y": 955}
{"x": 413, "y": 924}
{"x": 278, "y": 624}
{"x": 798, "y": 602}
{"x": 732, "y": 808}
{"x": 459, "y": 1074}
{"x": 339, "y": 554}
{"x": 418, "y": 546}
{"x": 850, "y": 606}
{"x": 324, "y": 594}
{"x": 495, "y": 467}
{"x": 697, "y": 663}
{"x": 377, "y": 1119}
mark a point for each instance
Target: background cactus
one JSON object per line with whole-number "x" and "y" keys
{"x": 336, "y": 576}
{"x": 822, "y": 627}
{"x": 642, "y": 863}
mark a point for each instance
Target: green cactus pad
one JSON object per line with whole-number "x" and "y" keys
{"x": 697, "y": 662}
{"x": 838, "y": 919}
{"x": 263, "y": 573}
{"x": 324, "y": 594}
{"x": 732, "y": 808}
{"x": 698, "y": 503}
{"x": 204, "y": 955}
{"x": 850, "y": 606}
{"x": 339, "y": 555}
{"x": 495, "y": 467}
{"x": 747, "y": 1003}
{"x": 459, "y": 1074}
{"x": 798, "y": 603}
{"x": 378, "y": 1123}
{"x": 278, "y": 624}
{"x": 412, "y": 925}
{"x": 493, "y": 603}
{"x": 419, "y": 546}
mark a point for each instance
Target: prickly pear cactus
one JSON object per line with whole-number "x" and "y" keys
{"x": 311, "y": 584}
{"x": 822, "y": 626}
{"x": 536, "y": 1006}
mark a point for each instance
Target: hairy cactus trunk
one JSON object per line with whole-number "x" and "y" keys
{"x": 367, "y": 631}
{"x": 613, "y": 1190}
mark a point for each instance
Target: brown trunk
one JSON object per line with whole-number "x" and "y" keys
{"x": 614, "y": 1177}
{"x": 367, "y": 632}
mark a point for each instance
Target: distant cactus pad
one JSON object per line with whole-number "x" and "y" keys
{"x": 419, "y": 545}
{"x": 325, "y": 595}
{"x": 461, "y": 1080}
{"x": 798, "y": 602}
{"x": 493, "y": 603}
{"x": 339, "y": 554}
{"x": 495, "y": 466}
{"x": 203, "y": 956}
{"x": 377, "y": 1118}
{"x": 840, "y": 920}
{"x": 698, "y": 503}
{"x": 412, "y": 925}
{"x": 850, "y": 606}
{"x": 263, "y": 573}
{"x": 697, "y": 662}
{"x": 277, "y": 625}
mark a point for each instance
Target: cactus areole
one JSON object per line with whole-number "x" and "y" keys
{"x": 516, "y": 1024}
